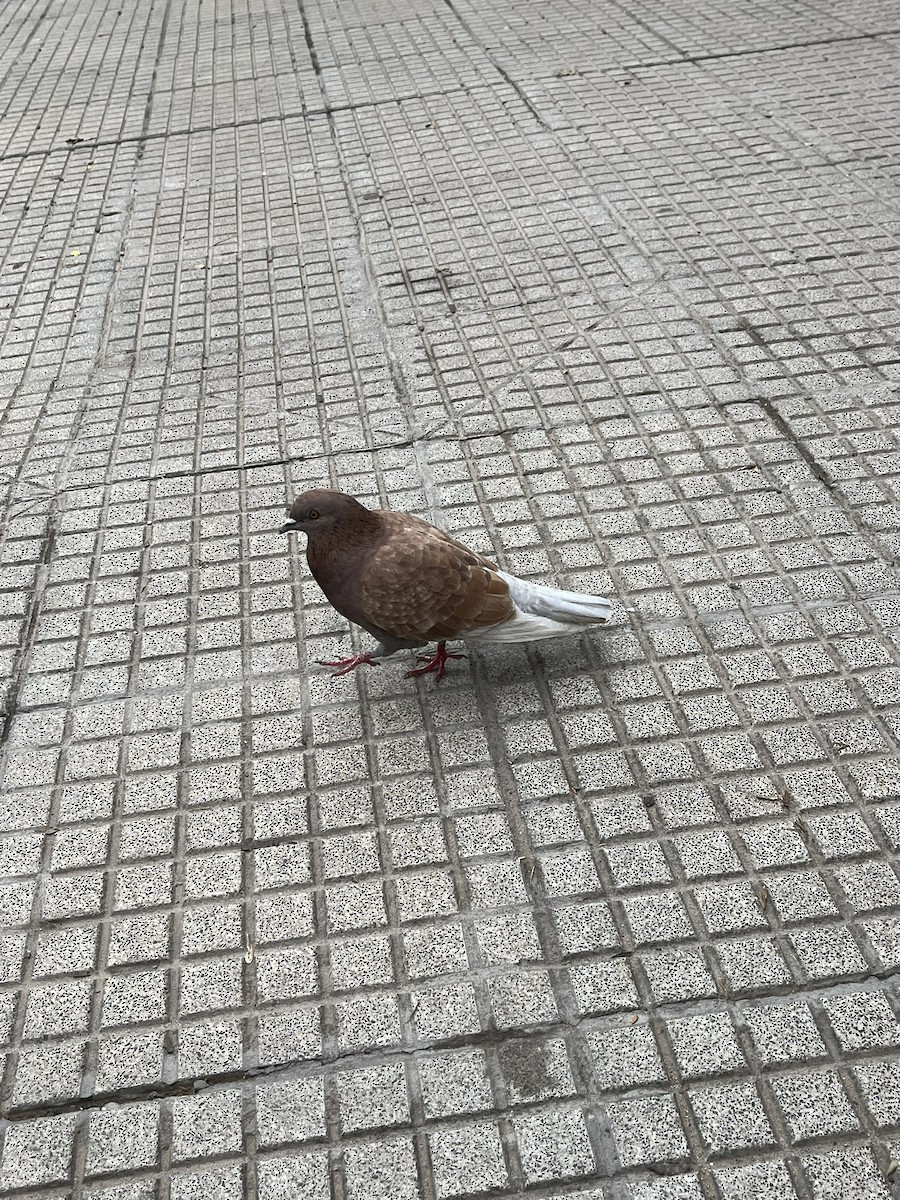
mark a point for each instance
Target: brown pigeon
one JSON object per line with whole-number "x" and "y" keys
{"x": 407, "y": 584}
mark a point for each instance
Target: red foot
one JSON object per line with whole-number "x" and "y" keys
{"x": 434, "y": 662}
{"x": 348, "y": 664}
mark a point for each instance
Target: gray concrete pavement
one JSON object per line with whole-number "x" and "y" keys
{"x": 610, "y": 292}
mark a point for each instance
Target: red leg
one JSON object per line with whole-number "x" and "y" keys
{"x": 434, "y": 662}
{"x": 348, "y": 664}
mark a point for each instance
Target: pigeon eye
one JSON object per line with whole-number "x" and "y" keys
{"x": 313, "y": 514}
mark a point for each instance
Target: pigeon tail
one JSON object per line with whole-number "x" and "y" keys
{"x": 574, "y": 608}
{"x": 544, "y": 612}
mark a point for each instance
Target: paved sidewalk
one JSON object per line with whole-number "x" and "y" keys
{"x": 609, "y": 291}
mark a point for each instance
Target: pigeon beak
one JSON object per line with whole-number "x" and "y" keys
{"x": 290, "y": 526}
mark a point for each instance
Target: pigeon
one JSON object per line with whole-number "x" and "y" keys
{"x": 408, "y": 583}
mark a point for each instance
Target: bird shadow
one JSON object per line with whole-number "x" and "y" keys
{"x": 516, "y": 663}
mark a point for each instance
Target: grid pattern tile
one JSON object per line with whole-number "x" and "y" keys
{"x": 611, "y": 295}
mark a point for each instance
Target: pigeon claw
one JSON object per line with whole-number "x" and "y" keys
{"x": 434, "y": 662}
{"x": 345, "y": 665}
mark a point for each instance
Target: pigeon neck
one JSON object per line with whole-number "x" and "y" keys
{"x": 354, "y": 531}
{"x": 336, "y": 557}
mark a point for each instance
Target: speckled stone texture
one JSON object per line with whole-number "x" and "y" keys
{"x": 610, "y": 292}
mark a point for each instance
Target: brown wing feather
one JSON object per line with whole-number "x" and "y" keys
{"x": 420, "y": 583}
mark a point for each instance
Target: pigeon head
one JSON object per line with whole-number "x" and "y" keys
{"x": 320, "y": 511}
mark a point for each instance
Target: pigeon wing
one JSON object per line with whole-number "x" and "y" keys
{"x": 420, "y": 583}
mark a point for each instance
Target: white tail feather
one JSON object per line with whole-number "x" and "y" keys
{"x": 544, "y": 612}
{"x": 568, "y": 607}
